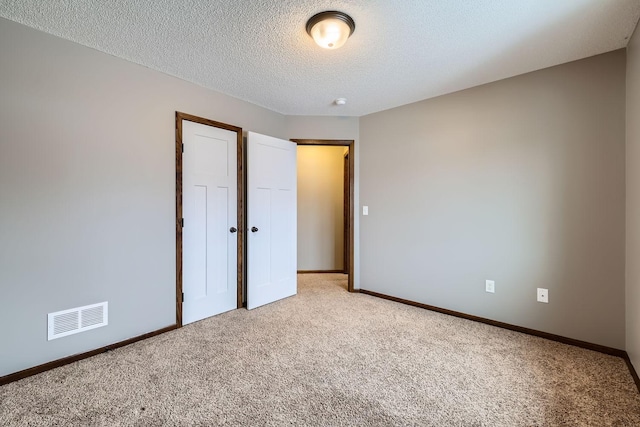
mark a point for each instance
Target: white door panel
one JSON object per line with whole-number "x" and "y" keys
{"x": 209, "y": 277}
{"x": 271, "y": 219}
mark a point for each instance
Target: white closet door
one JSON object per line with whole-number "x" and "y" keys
{"x": 271, "y": 219}
{"x": 209, "y": 200}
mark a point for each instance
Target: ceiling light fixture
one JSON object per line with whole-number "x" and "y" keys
{"x": 330, "y": 29}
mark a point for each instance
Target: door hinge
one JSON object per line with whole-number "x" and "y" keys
{"x": 183, "y": 148}
{"x": 182, "y": 223}
{"x": 183, "y": 297}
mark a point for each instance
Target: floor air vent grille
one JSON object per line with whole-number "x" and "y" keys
{"x": 75, "y": 320}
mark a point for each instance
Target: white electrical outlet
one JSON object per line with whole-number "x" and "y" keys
{"x": 543, "y": 295}
{"x": 490, "y": 286}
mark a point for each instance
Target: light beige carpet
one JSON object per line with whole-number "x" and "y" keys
{"x": 326, "y": 358}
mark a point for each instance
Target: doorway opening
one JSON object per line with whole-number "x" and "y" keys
{"x": 348, "y": 205}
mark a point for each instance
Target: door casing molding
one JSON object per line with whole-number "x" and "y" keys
{"x": 240, "y": 234}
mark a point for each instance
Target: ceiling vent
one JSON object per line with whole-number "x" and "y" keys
{"x": 75, "y": 320}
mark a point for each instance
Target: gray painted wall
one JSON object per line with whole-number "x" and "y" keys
{"x": 323, "y": 127}
{"x": 320, "y": 207}
{"x": 521, "y": 181}
{"x": 87, "y": 182}
{"x": 633, "y": 200}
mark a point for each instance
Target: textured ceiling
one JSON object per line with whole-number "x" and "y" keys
{"x": 402, "y": 51}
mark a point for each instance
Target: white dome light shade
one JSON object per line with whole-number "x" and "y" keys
{"x": 330, "y": 33}
{"x": 330, "y": 30}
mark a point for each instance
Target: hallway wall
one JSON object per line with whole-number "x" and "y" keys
{"x": 320, "y": 207}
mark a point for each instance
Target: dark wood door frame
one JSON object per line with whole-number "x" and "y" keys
{"x": 346, "y": 213}
{"x": 179, "y": 223}
{"x": 351, "y": 145}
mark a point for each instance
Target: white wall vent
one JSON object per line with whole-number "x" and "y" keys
{"x": 75, "y": 320}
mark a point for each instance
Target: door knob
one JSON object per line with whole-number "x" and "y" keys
{"x": 233, "y": 229}
{"x": 254, "y": 229}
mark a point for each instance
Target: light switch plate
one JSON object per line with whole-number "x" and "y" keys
{"x": 365, "y": 210}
